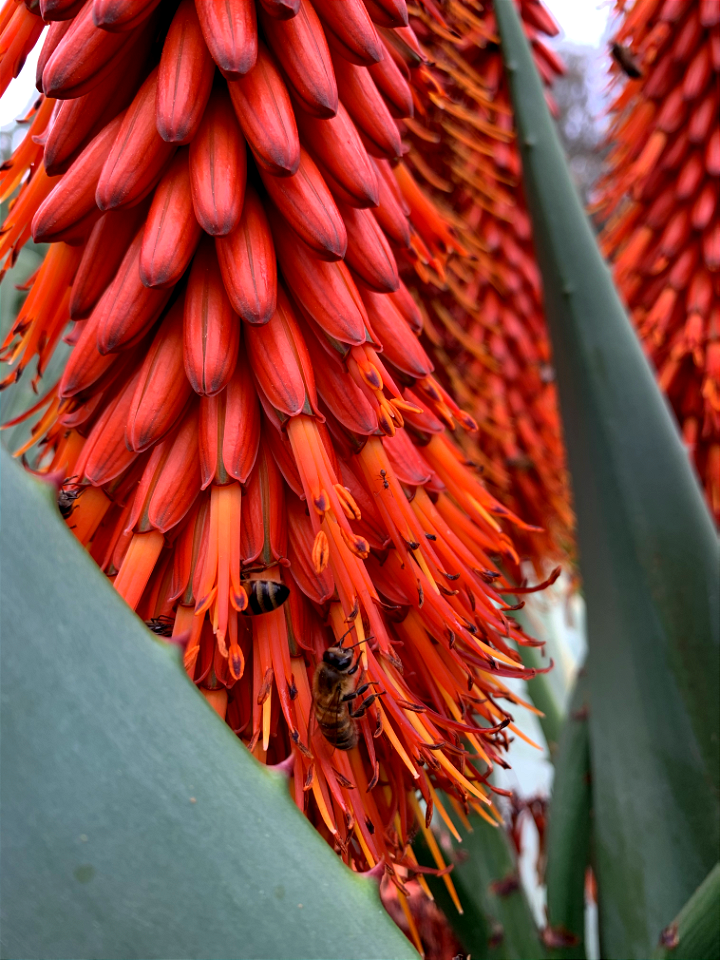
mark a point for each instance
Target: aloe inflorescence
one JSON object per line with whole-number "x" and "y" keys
{"x": 659, "y": 201}
{"x": 250, "y": 438}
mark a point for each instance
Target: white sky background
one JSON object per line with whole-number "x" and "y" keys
{"x": 581, "y": 21}
{"x": 21, "y": 92}
{"x": 587, "y": 24}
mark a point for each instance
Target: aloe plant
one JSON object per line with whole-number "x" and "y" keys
{"x": 648, "y": 557}
{"x": 695, "y": 932}
{"x": 568, "y": 832}
{"x": 133, "y": 825}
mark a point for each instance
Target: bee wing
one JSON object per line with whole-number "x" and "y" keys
{"x": 337, "y": 707}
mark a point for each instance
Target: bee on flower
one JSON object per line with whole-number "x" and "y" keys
{"x": 267, "y": 454}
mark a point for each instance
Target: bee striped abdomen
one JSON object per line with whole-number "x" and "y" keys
{"x": 265, "y": 595}
{"x": 342, "y": 733}
{"x": 332, "y": 712}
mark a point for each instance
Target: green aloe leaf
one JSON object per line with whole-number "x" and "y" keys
{"x": 648, "y": 556}
{"x": 497, "y": 922}
{"x": 696, "y": 930}
{"x": 568, "y": 833}
{"x": 134, "y": 824}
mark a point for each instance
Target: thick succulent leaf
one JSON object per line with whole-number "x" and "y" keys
{"x": 568, "y": 833}
{"x": 497, "y": 922}
{"x": 696, "y": 930}
{"x": 649, "y": 561}
{"x": 134, "y": 824}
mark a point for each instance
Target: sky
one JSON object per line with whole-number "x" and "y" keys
{"x": 582, "y": 22}
{"x": 19, "y": 94}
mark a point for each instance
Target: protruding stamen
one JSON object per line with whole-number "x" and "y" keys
{"x": 357, "y": 545}
{"x": 347, "y": 502}
{"x": 320, "y": 551}
{"x": 321, "y": 503}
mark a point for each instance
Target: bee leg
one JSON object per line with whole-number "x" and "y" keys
{"x": 356, "y": 666}
{"x": 358, "y": 691}
{"x": 360, "y": 712}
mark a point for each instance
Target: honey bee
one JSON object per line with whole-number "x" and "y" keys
{"x": 162, "y": 625}
{"x": 333, "y": 692}
{"x": 265, "y": 595}
{"x": 66, "y": 497}
{"x": 625, "y": 60}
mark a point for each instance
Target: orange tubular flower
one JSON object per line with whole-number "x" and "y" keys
{"x": 660, "y": 203}
{"x": 482, "y": 310}
{"x": 256, "y": 445}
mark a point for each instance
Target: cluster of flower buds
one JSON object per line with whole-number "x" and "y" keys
{"x": 254, "y": 446}
{"x": 660, "y": 203}
{"x": 483, "y": 311}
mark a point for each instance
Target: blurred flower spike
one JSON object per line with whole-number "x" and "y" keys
{"x": 484, "y": 312}
{"x": 257, "y": 448}
{"x": 659, "y": 202}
